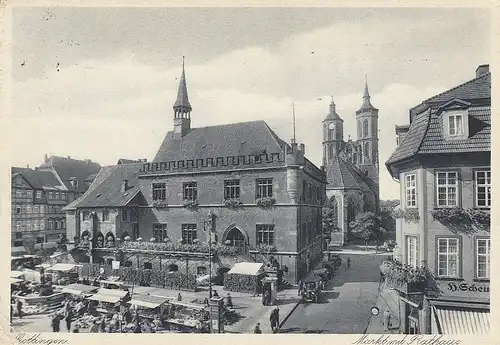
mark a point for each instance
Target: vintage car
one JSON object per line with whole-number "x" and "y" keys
{"x": 323, "y": 273}
{"x": 311, "y": 288}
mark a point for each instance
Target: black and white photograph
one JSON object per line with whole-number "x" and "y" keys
{"x": 247, "y": 170}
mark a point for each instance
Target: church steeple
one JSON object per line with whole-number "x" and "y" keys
{"x": 182, "y": 107}
{"x": 366, "y": 100}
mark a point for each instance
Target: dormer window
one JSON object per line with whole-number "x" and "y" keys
{"x": 455, "y": 125}
{"x": 455, "y": 116}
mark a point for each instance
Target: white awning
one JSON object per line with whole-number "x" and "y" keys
{"x": 104, "y": 298}
{"x": 62, "y": 267}
{"x": 78, "y": 289}
{"x": 247, "y": 268}
{"x": 16, "y": 274}
{"x": 452, "y": 320}
{"x": 147, "y": 301}
{"x": 111, "y": 292}
{"x": 15, "y": 280}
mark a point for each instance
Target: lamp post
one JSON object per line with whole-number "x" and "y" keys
{"x": 207, "y": 224}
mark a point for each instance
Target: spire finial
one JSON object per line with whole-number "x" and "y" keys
{"x": 182, "y": 105}
{"x": 367, "y": 94}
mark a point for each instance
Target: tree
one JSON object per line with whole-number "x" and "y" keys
{"x": 330, "y": 221}
{"x": 367, "y": 227}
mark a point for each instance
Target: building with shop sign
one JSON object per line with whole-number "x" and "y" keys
{"x": 443, "y": 163}
{"x": 263, "y": 194}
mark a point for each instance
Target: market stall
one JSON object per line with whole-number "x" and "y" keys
{"x": 244, "y": 277}
{"x": 79, "y": 290}
{"x": 62, "y": 274}
{"x": 107, "y": 299}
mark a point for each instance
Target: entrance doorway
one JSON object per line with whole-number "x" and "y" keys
{"x": 236, "y": 238}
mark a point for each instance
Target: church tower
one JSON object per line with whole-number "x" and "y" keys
{"x": 333, "y": 135}
{"x": 182, "y": 108}
{"x": 367, "y": 138}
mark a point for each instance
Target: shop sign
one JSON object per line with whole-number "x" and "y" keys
{"x": 466, "y": 287}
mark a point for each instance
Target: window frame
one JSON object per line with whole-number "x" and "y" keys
{"x": 160, "y": 231}
{"x": 487, "y": 186}
{"x": 476, "y": 258}
{"x": 264, "y": 234}
{"x": 409, "y": 188}
{"x": 105, "y": 215}
{"x": 457, "y": 186}
{"x": 264, "y": 185}
{"x": 458, "y": 254}
{"x": 39, "y": 194}
{"x": 190, "y": 191}
{"x": 189, "y": 232}
{"x": 231, "y": 188}
{"x": 416, "y": 250}
{"x": 452, "y": 119}
{"x": 159, "y": 191}
{"x": 124, "y": 215}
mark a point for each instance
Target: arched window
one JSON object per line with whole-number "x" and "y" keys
{"x": 360, "y": 134}
{"x": 334, "y": 205}
{"x": 365, "y": 128}
{"x": 367, "y": 151}
{"x": 173, "y": 268}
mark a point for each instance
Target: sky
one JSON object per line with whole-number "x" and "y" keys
{"x": 99, "y": 83}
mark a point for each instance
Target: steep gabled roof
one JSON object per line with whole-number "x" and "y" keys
{"x": 341, "y": 174}
{"x": 72, "y": 169}
{"x": 39, "y": 179}
{"x": 105, "y": 191}
{"x": 245, "y": 138}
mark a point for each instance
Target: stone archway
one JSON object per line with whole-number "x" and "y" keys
{"x": 234, "y": 236}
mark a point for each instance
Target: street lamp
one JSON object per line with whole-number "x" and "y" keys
{"x": 209, "y": 224}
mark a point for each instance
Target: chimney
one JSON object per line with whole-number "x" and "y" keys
{"x": 45, "y": 158}
{"x": 88, "y": 161}
{"x": 482, "y": 70}
{"x": 69, "y": 157}
{"x": 124, "y": 186}
{"x": 294, "y": 146}
{"x": 302, "y": 148}
{"x": 27, "y": 166}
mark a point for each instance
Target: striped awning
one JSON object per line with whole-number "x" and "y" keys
{"x": 462, "y": 321}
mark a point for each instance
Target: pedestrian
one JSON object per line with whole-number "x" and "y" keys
{"x": 69, "y": 319}
{"x": 56, "y": 323}
{"x": 348, "y": 262}
{"x": 272, "y": 319}
{"x": 257, "y": 330}
{"x": 387, "y": 319}
{"x": 300, "y": 288}
{"x": 95, "y": 327}
{"x": 179, "y": 297}
{"x": 11, "y": 312}
{"x": 137, "y": 327}
{"x": 277, "y": 316}
{"x": 20, "y": 308}
{"x": 102, "y": 325}
{"x": 229, "y": 301}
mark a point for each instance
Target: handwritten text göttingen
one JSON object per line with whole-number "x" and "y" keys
{"x": 466, "y": 287}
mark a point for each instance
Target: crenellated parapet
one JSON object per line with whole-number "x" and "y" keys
{"x": 206, "y": 164}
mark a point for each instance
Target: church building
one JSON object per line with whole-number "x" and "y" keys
{"x": 352, "y": 167}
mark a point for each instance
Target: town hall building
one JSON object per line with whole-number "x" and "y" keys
{"x": 260, "y": 194}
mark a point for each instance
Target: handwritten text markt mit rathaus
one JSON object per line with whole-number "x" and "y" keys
{"x": 405, "y": 340}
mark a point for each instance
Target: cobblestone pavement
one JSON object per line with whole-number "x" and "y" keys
{"x": 346, "y": 304}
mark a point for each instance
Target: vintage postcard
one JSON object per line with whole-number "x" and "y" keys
{"x": 248, "y": 169}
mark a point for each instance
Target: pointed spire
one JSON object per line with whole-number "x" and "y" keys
{"x": 366, "y": 99}
{"x": 182, "y": 104}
